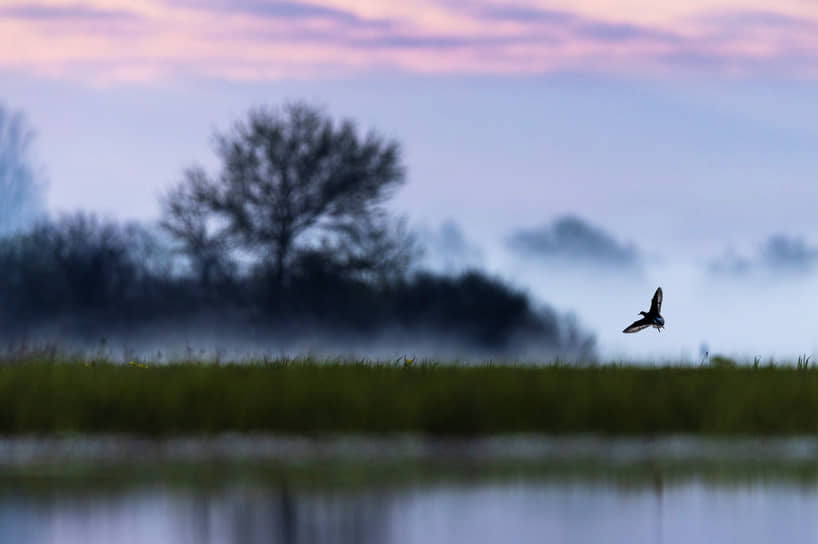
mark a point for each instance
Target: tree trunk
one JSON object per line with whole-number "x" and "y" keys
{"x": 282, "y": 251}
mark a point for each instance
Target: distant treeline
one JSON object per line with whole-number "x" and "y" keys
{"x": 290, "y": 237}
{"x": 85, "y": 278}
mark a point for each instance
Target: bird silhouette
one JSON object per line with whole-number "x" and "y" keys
{"x": 651, "y": 317}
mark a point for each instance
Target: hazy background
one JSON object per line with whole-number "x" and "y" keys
{"x": 679, "y": 139}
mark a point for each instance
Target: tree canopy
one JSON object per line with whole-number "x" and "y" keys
{"x": 291, "y": 179}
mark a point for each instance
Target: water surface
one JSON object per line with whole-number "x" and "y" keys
{"x": 571, "y": 490}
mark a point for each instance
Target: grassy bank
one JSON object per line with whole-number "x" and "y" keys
{"x": 302, "y": 398}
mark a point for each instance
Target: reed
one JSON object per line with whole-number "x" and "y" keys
{"x": 308, "y": 396}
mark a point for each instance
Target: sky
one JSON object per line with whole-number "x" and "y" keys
{"x": 686, "y": 128}
{"x": 104, "y": 41}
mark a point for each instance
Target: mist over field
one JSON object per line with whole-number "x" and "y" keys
{"x": 760, "y": 301}
{"x": 763, "y": 308}
{"x": 743, "y": 305}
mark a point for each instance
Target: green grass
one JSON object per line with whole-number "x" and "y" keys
{"x": 282, "y": 397}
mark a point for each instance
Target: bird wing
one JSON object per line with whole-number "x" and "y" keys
{"x": 656, "y": 302}
{"x": 637, "y": 326}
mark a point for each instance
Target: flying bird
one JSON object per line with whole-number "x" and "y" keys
{"x": 651, "y": 317}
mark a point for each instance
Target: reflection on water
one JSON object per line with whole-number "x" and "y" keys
{"x": 543, "y": 510}
{"x": 407, "y": 489}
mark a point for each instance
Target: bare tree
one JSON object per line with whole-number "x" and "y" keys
{"x": 21, "y": 192}
{"x": 376, "y": 248}
{"x": 286, "y": 172}
{"x": 186, "y": 216}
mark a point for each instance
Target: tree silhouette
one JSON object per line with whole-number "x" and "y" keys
{"x": 186, "y": 216}
{"x": 21, "y": 198}
{"x": 287, "y": 174}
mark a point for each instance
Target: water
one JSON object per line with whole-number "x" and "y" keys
{"x": 657, "y": 493}
{"x": 575, "y": 512}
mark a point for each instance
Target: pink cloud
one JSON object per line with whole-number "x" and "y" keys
{"x": 103, "y": 41}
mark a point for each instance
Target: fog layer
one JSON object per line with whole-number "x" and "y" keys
{"x": 762, "y": 302}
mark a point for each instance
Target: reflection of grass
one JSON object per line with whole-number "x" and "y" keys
{"x": 307, "y": 397}
{"x": 394, "y": 473}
